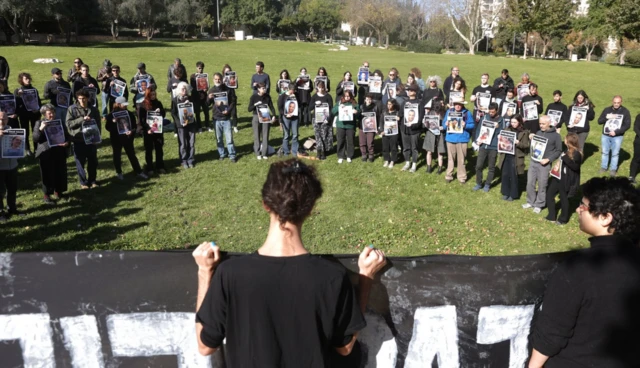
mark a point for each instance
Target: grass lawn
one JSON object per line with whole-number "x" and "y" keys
{"x": 402, "y": 213}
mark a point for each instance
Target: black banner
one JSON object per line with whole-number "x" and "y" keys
{"x": 136, "y": 309}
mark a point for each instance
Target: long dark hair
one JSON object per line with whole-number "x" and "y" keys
{"x": 394, "y": 103}
{"x": 147, "y": 99}
{"x": 520, "y": 122}
{"x": 284, "y": 71}
{"x": 586, "y": 98}
{"x": 324, "y": 70}
{"x": 342, "y": 100}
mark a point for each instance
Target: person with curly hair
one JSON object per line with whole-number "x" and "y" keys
{"x": 589, "y": 318}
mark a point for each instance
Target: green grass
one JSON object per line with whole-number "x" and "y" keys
{"x": 402, "y": 213}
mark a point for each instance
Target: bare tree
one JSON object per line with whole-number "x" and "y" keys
{"x": 478, "y": 16}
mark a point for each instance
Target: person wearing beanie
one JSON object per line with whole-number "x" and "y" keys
{"x": 140, "y": 75}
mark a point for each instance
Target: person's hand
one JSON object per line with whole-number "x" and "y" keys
{"x": 128, "y": 133}
{"x": 207, "y": 256}
{"x": 371, "y": 261}
{"x": 473, "y": 98}
{"x": 517, "y": 141}
{"x": 13, "y": 116}
{"x": 610, "y": 116}
{"x": 20, "y": 92}
{"x": 612, "y": 134}
{"x": 255, "y": 84}
{"x": 273, "y": 119}
{"x": 463, "y": 124}
{"x": 43, "y": 125}
{"x": 280, "y": 127}
{"x": 91, "y": 85}
{"x": 495, "y": 125}
{"x": 110, "y": 83}
{"x": 501, "y": 85}
{"x": 87, "y": 118}
{"x": 66, "y": 144}
{"x": 158, "y": 110}
{"x": 225, "y": 112}
{"x": 537, "y": 102}
{"x": 1, "y": 133}
{"x": 531, "y": 136}
{"x": 544, "y": 161}
{"x": 210, "y": 95}
{"x": 139, "y": 130}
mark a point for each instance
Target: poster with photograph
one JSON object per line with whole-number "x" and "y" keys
{"x": 202, "y": 82}
{"x": 509, "y": 109}
{"x": 30, "y": 100}
{"x": 283, "y": 85}
{"x": 369, "y": 122}
{"x": 507, "y": 142}
{"x": 93, "y": 92}
{"x": 54, "y": 132}
{"x": 613, "y": 124}
{"x": 323, "y": 79}
{"x": 391, "y": 90}
{"x": 63, "y": 97}
{"x": 221, "y": 101}
{"x": 322, "y": 114}
{"x": 231, "y": 80}
{"x": 411, "y": 114}
{"x": 185, "y": 112}
{"x": 432, "y": 123}
{"x": 454, "y": 123}
{"x": 523, "y": 91}
{"x": 155, "y": 122}
{"x": 142, "y": 84}
{"x": 487, "y": 130}
{"x": 363, "y": 75}
{"x": 530, "y": 111}
{"x": 556, "y": 169}
{"x": 291, "y": 107}
{"x": 538, "y": 146}
{"x": 264, "y": 116}
{"x": 390, "y": 125}
{"x": 123, "y": 122}
{"x": 117, "y": 88}
{"x": 8, "y": 104}
{"x": 303, "y": 82}
{"x": 375, "y": 84}
{"x": 91, "y": 132}
{"x": 578, "y": 117}
{"x": 455, "y": 96}
{"x": 13, "y": 143}
{"x": 345, "y": 113}
{"x": 349, "y": 86}
{"x": 555, "y": 116}
{"x": 482, "y": 101}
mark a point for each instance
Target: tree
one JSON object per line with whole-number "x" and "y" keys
{"x": 255, "y": 14}
{"x": 111, "y": 11}
{"x": 184, "y": 13}
{"x": 477, "y": 20}
{"x": 146, "y": 13}
{"x": 20, "y": 14}
{"x": 320, "y": 15}
{"x": 524, "y": 13}
{"x": 552, "y": 20}
{"x": 624, "y": 18}
{"x": 70, "y": 14}
{"x": 382, "y": 16}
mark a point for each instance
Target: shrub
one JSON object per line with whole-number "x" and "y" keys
{"x": 632, "y": 57}
{"x": 610, "y": 58}
{"x": 425, "y": 46}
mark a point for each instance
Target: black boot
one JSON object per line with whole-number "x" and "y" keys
{"x": 429, "y": 169}
{"x": 440, "y": 170}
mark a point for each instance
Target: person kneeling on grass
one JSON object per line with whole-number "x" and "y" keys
{"x": 512, "y": 165}
{"x": 589, "y": 314}
{"x": 8, "y": 177}
{"x": 488, "y": 151}
{"x": 121, "y": 135}
{"x": 286, "y": 306}
{"x": 567, "y": 185}
{"x": 539, "y": 170}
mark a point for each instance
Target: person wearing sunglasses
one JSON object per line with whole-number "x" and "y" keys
{"x": 51, "y": 90}
{"x": 75, "y": 71}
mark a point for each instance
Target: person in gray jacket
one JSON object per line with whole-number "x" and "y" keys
{"x": 8, "y": 177}
{"x": 541, "y": 163}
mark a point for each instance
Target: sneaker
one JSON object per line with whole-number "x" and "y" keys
{"x": 185, "y": 166}
{"x": 220, "y": 158}
{"x": 509, "y": 199}
{"x": 559, "y": 223}
{"x": 406, "y": 166}
{"x": 84, "y": 186}
{"x": 15, "y": 212}
{"x": 504, "y": 197}
{"x": 259, "y": 157}
{"x": 48, "y": 200}
{"x": 59, "y": 196}
{"x": 175, "y": 135}
{"x": 28, "y": 153}
{"x": 526, "y": 206}
{"x": 210, "y": 130}
{"x": 448, "y": 180}
{"x": 191, "y": 166}
{"x": 476, "y": 187}
{"x": 233, "y": 160}
{"x": 486, "y": 188}
{"x": 323, "y": 157}
{"x": 348, "y": 160}
{"x": 95, "y": 185}
{"x": 602, "y": 171}
{"x": 632, "y": 180}
{"x": 162, "y": 171}
{"x": 235, "y": 129}
{"x": 143, "y": 176}
{"x": 613, "y": 173}
{"x": 413, "y": 168}
{"x": 371, "y": 159}
{"x": 537, "y": 209}
{"x": 364, "y": 159}
{"x": 120, "y": 176}
{"x": 340, "y": 160}
{"x": 391, "y": 163}
{"x": 386, "y": 164}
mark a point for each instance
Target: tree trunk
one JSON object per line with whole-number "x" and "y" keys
{"x": 150, "y": 32}
{"x": 114, "y": 30}
{"x": 526, "y": 44}
{"x": 379, "y": 37}
{"x": 386, "y": 45}
{"x": 544, "y": 50}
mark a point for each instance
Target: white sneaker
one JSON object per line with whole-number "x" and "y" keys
{"x": 143, "y": 176}
{"x": 210, "y": 130}
{"x": 537, "y": 209}
{"x": 120, "y": 176}
{"x": 391, "y": 165}
{"x": 175, "y": 135}
{"x": 340, "y": 160}
{"x": 235, "y": 130}
{"x": 526, "y": 206}
{"x": 406, "y": 166}
{"x": 386, "y": 164}
{"x": 259, "y": 157}
{"x": 413, "y": 168}
{"x": 349, "y": 160}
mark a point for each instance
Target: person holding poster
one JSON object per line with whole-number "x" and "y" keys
{"x": 391, "y": 119}
{"x": 482, "y": 96}
{"x": 52, "y": 89}
{"x": 502, "y": 85}
{"x": 233, "y": 113}
{"x": 152, "y": 141}
{"x": 83, "y": 153}
{"x": 342, "y": 86}
{"x": 303, "y": 96}
{"x": 457, "y": 142}
{"x": 222, "y": 114}
{"x": 540, "y": 163}
{"x": 458, "y": 91}
{"x": 104, "y": 73}
{"x": 569, "y": 181}
{"x": 508, "y": 108}
{"x": 322, "y": 72}
{"x": 390, "y": 85}
{"x": 522, "y": 88}
{"x": 85, "y": 80}
{"x": 582, "y": 126}
{"x": 433, "y": 138}
{"x": 368, "y": 127}
{"x": 200, "y": 86}
{"x": 322, "y": 104}
{"x": 432, "y": 93}
{"x": 557, "y": 111}
{"x": 115, "y": 81}
{"x": 487, "y": 140}
{"x": 8, "y": 176}
{"x": 411, "y": 128}
{"x": 288, "y": 106}
{"x": 449, "y": 82}
{"x": 345, "y": 109}
{"x": 616, "y": 120}
{"x": 512, "y": 164}
{"x": 134, "y": 84}
{"x": 186, "y": 127}
{"x": 52, "y": 159}
{"x": 120, "y": 141}
{"x": 532, "y": 118}
{"x": 27, "y": 107}
{"x": 589, "y": 317}
{"x": 261, "y": 130}
{"x": 260, "y": 78}
{"x": 411, "y": 80}
{"x": 283, "y": 83}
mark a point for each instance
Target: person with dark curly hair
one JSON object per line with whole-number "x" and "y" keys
{"x": 589, "y": 315}
{"x": 285, "y": 306}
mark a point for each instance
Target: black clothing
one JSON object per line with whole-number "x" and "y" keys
{"x": 567, "y": 186}
{"x": 171, "y": 75}
{"x": 447, "y": 86}
{"x": 152, "y": 142}
{"x": 559, "y": 106}
{"x": 635, "y": 161}
{"x": 9, "y": 187}
{"x": 217, "y": 111}
{"x": 79, "y": 83}
{"x": 138, "y": 97}
{"x": 507, "y": 118}
{"x": 414, "y": 128}
{"x": 279, "y": 311}
{"x": 430, "y": 94}
{"x": 282, "y": 99}
{"x": 256, "y": 100}
{"x": 591, "y": 114}
{"x": 589, "y": 309}
{"x": 626, "y": 119}
{"x": 4, "y": 68}
{"x": 340, "y": 90}
{"x": 317, "y": 100}
{"x": 108, "y": 84}
{"x": 27, "y": 118}
{"x": 51, "y": 91}
{"x": 53, "y": 162}
{"x": 507, "y": 85}
{"x": 532, "y": 125}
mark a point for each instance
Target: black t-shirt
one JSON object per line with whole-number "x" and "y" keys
{"x": 279, "y": 311}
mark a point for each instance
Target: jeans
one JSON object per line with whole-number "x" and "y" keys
{"x": 612, "y": 144}
{"x": 86, "y": 154}
{"x": 290, "y": 129}
{"x": 224, "y": 127}
{"x": 105, "y": 104}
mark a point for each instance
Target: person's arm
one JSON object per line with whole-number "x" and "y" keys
{"x": 72, "y": 121}
{"x": 370, "y": 262}
{"x": 537, "y": 359}
{"x": 339, "y": 89}
{"x": 636, "y": 125}
{"x": 207, "y": 257}
{"x": 270, "y": 104}
{"x": 49, "y": 92}
{"x": 572, "y": 163}
{"x": 626, "y": 123}
{"x": 603, "y": 117}
{"x": 38, "y": 136}
{"x": 126, "y": 91}
{"x": 268, "y": 83}
{"x": 469, "y": 122}
{"x": 591, "y": 114}
{"x": 524, "y": 142}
